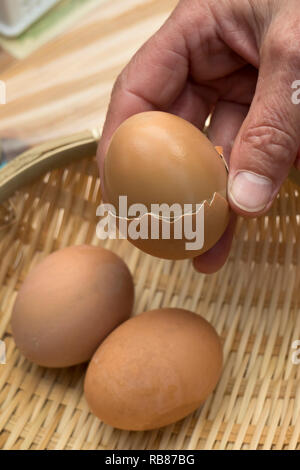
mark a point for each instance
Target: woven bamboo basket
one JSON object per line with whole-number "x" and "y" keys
{"x": 253, "y": 302}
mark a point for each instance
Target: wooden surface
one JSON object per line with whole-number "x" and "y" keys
{"x": 64, "y": 86}
{"x": 6, "y": 61}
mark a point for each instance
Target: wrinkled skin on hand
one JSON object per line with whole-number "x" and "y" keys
{"x": 237, "y": 59}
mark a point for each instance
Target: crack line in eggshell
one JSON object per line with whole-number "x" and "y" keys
{"x": 206, "y": 203}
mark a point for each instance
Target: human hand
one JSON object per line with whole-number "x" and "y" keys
{"x": 237, "y": 59}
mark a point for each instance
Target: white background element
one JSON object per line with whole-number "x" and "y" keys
{"x": 2, "y": 352}
{"x": 2, "y": 92}
{"x": 296, "y": 94}
{"x": 296, "y": 354}
{"x": 17, "y": 15}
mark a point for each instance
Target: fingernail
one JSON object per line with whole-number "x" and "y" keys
{"x": 250, "y": 192}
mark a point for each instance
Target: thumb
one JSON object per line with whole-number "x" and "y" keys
{"x": 269, "y": 139}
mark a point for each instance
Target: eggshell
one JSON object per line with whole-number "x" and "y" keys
{"x": 69, "y": 303}
{"x": 155, "y": 158}
{"x": 154, "y": 369}
{"x": 216, "y": 218}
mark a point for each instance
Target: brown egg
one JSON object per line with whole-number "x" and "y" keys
{"x": 159, "y": 158}
{"x": 69, "y": 303}
{"x": 154, "y": 369}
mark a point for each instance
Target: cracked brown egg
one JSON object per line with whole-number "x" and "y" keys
{"x": 69, "y": 303}
{"x": 154, "y": 369}
{"x": 174, "y": 182}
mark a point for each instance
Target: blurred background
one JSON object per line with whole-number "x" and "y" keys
{"x": 59, "y": 59}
